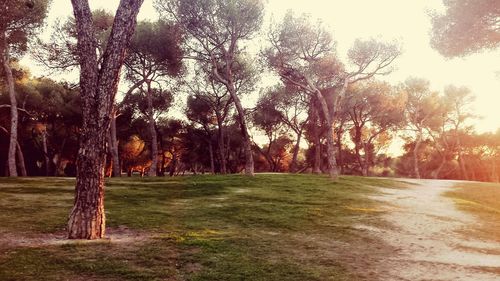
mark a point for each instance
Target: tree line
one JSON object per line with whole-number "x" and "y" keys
{"x": 338, "y": 109}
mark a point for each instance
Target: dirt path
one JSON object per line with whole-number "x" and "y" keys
{"x": 427, "y": 239}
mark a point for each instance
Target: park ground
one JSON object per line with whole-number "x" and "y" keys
{"x": 270, "y": 227}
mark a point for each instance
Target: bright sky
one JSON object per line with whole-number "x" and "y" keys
{"x": 404, "y": 20}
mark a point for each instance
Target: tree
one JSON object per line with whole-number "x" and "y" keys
{"x": 304, "y": 55}
{"x": 292, "y": 105}
{"x": 213, "y": 105}
{"x": 459, "y": 100}
{"x": 199, "y": 111}
{"x": 422, "y": 106}
{"x": 149, "y": 104}
{"x": 268, "y": 119}
{"x": 19, "y": 20}
{"x": 467, "y": 26}
{"x": 98, "y": 86}
{"x": 154, "y": 54}
{"x": 217, "y": 29}
{"x": 375, "y": 113}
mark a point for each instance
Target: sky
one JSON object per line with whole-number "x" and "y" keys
{"x": 406, "y": 21}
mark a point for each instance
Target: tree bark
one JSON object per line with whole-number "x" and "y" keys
{"x": 98, "y": 87}
{"x": 330, "y": 141}
{"x": 14, "y": 119}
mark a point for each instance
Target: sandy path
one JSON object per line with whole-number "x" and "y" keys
{"x": 428, "y": 246}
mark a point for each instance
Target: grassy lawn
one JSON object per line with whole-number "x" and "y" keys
{"x": 270, "y": 227}
{"x": 483, "y": 201}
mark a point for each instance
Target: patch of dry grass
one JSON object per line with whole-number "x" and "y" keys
{"x": 483, "y": 201}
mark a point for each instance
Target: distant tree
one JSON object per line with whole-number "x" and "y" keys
{"x": 171, "y": 135}
{"x": 199, "y": 111}
{"x": 303, "y": 54}
{"x": 154, "y": 55}
{"x": 459, "y": 100}
{"x": 99, "y": 78}
{"x": 56, "y": 109}
{"x": 213, "y": 103}
{"x": 217, "y": 30}
{"x": 422, "y": 106}
{"x": 291, "y": 106}
{"x": 376, "y": 113}
{"x": 19, "y": 21}
{"x": 268, "y": 119}
{"x": 467, "y": 26}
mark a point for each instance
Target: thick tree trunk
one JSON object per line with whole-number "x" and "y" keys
{"x": 87, "y": 220}
{"x": 247, "y": 144}
{"x": 14, "y": 119}
{"x": 330, "y": 141}
{"x": 416, "y": 168}
{"x": 117, "y": 172}
{"x": 98, "y": 87}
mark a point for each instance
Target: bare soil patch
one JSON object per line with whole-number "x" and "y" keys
{"x": 427, "y": 236}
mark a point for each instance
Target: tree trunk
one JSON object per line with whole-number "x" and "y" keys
{"x": 293, "y": 165}
{"x": 461, "y": 161}
{"x": 416, "y": 168}
{"x": 440, "y": 167}
{"x": 45, "y": 153}
{"x": 366, "y": 160}
{"x": 317, "y": 143}
{"x": 330, "y": 141}
{"x": 58, "y": 169}
{"x": 14, "y": 119}
{"x": 339, "y": 150}
{"x": 211, "y": 152}
{"x": 98, "y": 87}
{"x": 247, "y": 144}
{"x": 357, "y": 149}
{"x": 20, "y": 160}
{"x": 117, "y": 172}
{"x": 173, "y": 165}
{"x": 152, "y": 131}
{"x": 220, "y": 140}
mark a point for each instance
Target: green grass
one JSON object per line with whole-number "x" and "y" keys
{"x": 269, "y": 227}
